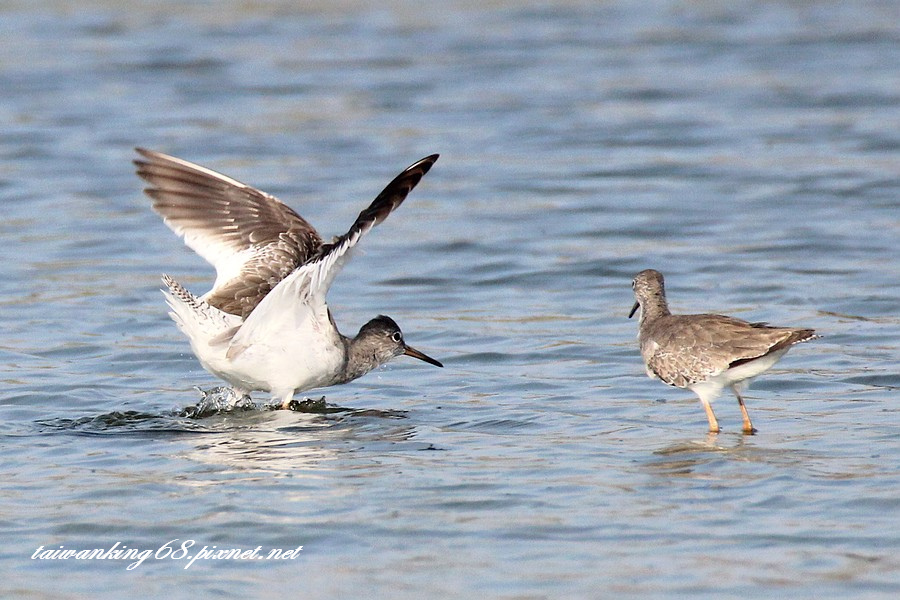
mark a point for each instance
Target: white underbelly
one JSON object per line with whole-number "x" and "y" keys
{"x": 288, "y": 363}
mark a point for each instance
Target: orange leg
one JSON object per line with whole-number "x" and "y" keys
{"x": 713, "y": 423}
{"x": 748, "y": 426}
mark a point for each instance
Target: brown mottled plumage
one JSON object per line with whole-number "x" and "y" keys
{"x": 705, "y": 353}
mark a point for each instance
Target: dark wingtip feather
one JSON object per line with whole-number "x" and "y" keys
{"x": 386, "y": 202}
{"x": 804, "y": 335}
{"x": 394, "y": 193}
{"x": 428, "y": 161}
{"x": 146, "y": 155}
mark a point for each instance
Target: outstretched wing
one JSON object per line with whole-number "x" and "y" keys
{"x": 251, "y": 238}
{"x": 298, "y": 301}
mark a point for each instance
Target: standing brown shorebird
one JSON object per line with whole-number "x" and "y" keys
{"x": 705, "y": 353}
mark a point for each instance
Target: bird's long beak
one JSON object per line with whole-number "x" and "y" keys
{"x": 410, "y": 351}
{"x": 634, "y": 308}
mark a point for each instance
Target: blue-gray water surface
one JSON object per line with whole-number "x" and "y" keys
{"x": 748, "y": 150}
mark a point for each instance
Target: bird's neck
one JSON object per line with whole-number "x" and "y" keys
{"x": 361, "y": 357}
{"x": 654, "y": 308}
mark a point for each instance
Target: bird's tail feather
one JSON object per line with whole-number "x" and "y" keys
{"x": 199, "y": 321}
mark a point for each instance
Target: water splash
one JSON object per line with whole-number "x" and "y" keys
{"x": 218, "y": 400}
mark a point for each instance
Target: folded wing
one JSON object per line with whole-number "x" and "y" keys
{"x": 717, "y": 343}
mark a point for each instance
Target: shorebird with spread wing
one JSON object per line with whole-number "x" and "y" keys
{"x": 265, "y": 325}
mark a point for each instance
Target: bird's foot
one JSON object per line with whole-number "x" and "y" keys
{"x": 307, "y": 405}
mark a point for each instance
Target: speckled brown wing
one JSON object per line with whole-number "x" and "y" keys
{"x": 685, "y": 349}
{"x": 250, "y": 237}
{"x": 266, "y": 268}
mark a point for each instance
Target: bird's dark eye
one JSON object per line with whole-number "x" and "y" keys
{"x": 397, "y": 337}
